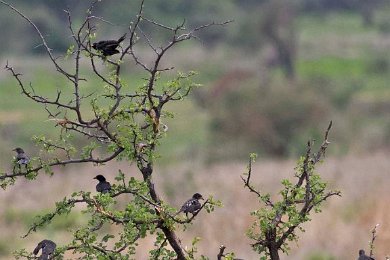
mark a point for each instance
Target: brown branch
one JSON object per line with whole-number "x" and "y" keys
{"x": 250, "y": 187}
{"x": 373, "y": 232}
{"x": 36, "y": 98}
{"x": 321, "y": 153}
{"x": 48, "y": 50}
{"x": 221, "y": 250}
{"x": 159, "y": 249}
{"x": 65, "y": 162}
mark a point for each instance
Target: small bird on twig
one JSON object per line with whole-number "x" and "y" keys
{"x": 108, "y": 47}
{"x": 21, "y": 158}
{"x": 192, "y": 205}
{"x": 103, "y": 186}
{"x": 363, "y": 256}
{"x": 47, "y": 247}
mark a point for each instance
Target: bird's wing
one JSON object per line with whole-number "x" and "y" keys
{"x": 111, "y": 45}
{"x": 103, "y": 187}
{"x": 99, "y": 187}
{"x": 21, "y": 156}
{"x": 190, "y": 206}
{"x": 103, "y": 44}
{"x": 109, "y": 52}
{"x": 186, "y": 205}
{"x": 106, "y": 186}
{"x": 49, "y": 248}
{"x": 197, "y": 205}
{"x": 23, "y": 161}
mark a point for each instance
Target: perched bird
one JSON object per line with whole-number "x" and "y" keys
{"x": 192, "y": 205}
{"x": 47, "y": 247}
{"x": 363, "y": 256}
{"x": 103, "y": 186}
{"x": 108, "y": 48}
{"x": 21, "y": 157}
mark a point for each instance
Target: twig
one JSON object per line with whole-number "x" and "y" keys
{"x": 373, "y": 237}
{"x": 221, "y": 250}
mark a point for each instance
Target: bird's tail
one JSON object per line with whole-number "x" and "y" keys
{"x": 44, "y": 257}
{"x": 122, "y": 38}
{"x": 36, "y": 250}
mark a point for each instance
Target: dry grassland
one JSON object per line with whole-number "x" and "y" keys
{"x": 339, "y": 231}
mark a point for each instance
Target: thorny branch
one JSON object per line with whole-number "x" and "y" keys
{"x": 250, "y": 187}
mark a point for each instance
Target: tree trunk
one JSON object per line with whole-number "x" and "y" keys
{"x": 169, "y": 234}
{"x": 272, "y": 246}
{"x": 273, "y": 251}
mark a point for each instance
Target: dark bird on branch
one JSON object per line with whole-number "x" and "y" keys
{"x": 192, "y": 205}
{"x": 108, "y": 48}
{"x": 21, "y": 158}
{"x": 47, "y": 247}
{"x": 363, "y": 256}
{"x": 103, "y": 186}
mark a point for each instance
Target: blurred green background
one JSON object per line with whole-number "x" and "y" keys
{"x": 273, "y": 78}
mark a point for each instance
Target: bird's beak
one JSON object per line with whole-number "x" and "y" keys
{"x": 95, "y": 178}
{"x": 14, "y": 149}
{"x": 201, "y": 198}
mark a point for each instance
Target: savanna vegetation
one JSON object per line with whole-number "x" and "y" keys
{"x": 272, "y": 80}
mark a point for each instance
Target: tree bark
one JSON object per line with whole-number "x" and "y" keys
{"x": 272, "y": 245}
{"x": 169, "y": 234}
{"x": 273, "y": 251}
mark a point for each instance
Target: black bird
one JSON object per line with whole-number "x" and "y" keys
{"x": 103, "y": 186}
{"x": 108, "y": 48}
{"x": 363, "y": 256}
{"x": 21, "y": 157}
{"x": 192, "y": 205}
{"x": 47, "y": 247}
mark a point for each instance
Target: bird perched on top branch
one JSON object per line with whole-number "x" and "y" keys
{"x": 108, "y": 47}
{"x": 47, "y": 247}
{"x": 192, "y": 205}
{"x": 103, "y": 186}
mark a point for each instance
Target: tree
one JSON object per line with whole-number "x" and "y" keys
{"x": 278, "y": 27}
{"x": 126, "y": 124}
{"x": 277, "y": 223}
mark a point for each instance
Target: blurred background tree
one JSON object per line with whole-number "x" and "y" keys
{"x": 339, "y": 66}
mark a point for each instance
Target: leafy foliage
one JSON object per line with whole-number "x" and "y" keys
{"x": 277, "y": 223}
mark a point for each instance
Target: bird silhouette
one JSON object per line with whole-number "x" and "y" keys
{"x": 103, "y": 186}
{"x": 21, "y": 157}
{"x": 192, "y": 205}
{"x": 363, "y": 256}
{"x": 108, "y": 47}
{"x": 47, "y": 247}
